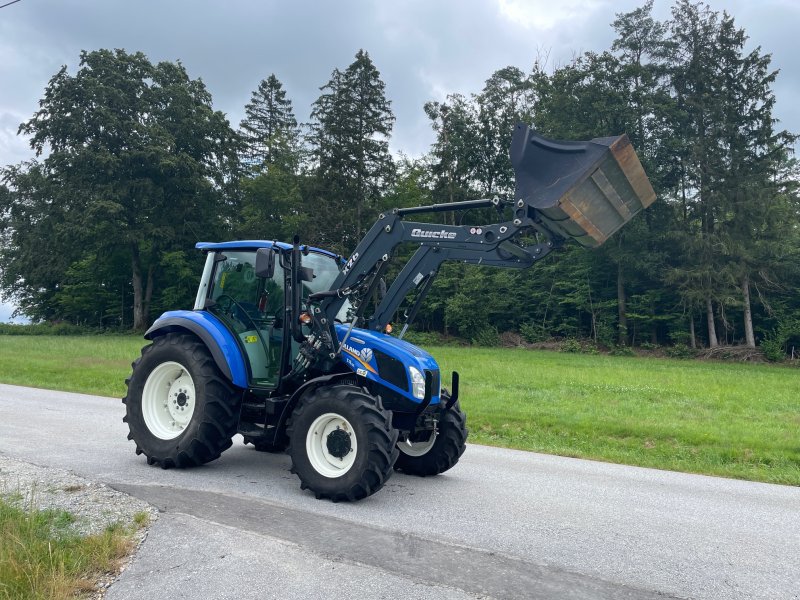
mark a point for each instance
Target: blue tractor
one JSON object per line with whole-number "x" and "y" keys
{"x": 281, "y": 349}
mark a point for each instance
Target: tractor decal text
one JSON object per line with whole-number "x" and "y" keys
{"x": 357, "y": 355}
{"x": 436, "y": 235}
{"x": 349, "y": 264}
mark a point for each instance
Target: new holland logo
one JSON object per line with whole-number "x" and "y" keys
{"x": 436, "y": 235}
{"x": 363, "y": 356}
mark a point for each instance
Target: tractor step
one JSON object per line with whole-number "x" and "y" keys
{"x": 262, "y": 410}
{"x": 251, "y": 430}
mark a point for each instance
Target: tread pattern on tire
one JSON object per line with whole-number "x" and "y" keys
{"x": 202, "y": 442}
{"x": 446, "y": 451}
{"x": 381, "y": 442}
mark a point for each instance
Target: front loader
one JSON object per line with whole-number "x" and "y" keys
{"x": 280, "y": 349}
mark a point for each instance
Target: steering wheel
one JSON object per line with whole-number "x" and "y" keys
{"x": 239, "y": 315}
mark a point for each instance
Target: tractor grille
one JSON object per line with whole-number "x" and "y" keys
{"x": 435, "y": 382}
{"x": 391, "y": 370}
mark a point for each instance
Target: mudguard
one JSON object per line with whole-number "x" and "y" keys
{"x": 219, "y": 341}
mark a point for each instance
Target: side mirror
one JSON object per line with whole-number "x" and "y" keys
{"x": 305, "y": 274}
{"x": 265, "y": 263}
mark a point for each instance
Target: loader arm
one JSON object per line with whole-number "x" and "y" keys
{"x": 491, "y": 244}
{"x": 423, "y": 267}
{"x": 583, "y": 191}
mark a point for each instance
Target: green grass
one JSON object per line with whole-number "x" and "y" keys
{"x": 41, "y": 557}
{"x": 729, "y": 419}
{"x": 87, "y": 364}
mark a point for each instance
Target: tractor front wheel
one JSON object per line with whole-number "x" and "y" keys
{"x": 180, "y": 409}
{"x": 433, "y": 452}
{"x": 342, "y": 443}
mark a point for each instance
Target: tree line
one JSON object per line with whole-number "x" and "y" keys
{"x": 134, "y": 165}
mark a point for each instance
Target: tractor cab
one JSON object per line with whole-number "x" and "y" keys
{"x": 251, "y": 299}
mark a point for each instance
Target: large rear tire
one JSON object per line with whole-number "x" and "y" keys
{"x": 342, "y": 443}
{"x": 180, "y": 409}
{"x": 437, "y": 452}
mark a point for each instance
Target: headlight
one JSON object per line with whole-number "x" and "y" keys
{"x": 417, "y": 383}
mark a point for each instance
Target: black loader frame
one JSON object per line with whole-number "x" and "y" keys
{"x": 580, "y": 190}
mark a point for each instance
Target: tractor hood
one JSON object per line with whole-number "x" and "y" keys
{"x": 386, "y": 360}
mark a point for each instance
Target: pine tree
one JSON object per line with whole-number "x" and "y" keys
{"x": 351, "y": 125}
{"x": 729, "y": 156}
{"x": 453, "y": 152}
{"x": 639, "y": 74}
{"x": 506, "y": 99}
{"x": 270, "y": 129}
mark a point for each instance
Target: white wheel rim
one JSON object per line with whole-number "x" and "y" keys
{"x": 317, "y": 445}
{"x": 410, "y": 448}
{"x": 168, "y": 400}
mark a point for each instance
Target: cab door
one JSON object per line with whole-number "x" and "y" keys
{"x": 252, "y": 308}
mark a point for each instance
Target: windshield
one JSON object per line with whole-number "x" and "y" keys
{"x": 326, "y": 269}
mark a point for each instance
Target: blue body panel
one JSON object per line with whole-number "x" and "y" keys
{"x": 224, "y": 339}
{"x": 358, "y": 354}
{"x": 254, "y": 245}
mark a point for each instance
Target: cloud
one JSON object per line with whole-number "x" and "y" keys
{"x": 13, "y": 146}
{"x": 424, "y": 50}
{"x": 546, "y": 14}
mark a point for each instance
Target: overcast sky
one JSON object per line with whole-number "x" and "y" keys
{"x": 424, "y": 49}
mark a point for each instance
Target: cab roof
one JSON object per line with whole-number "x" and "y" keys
{"x": 255, "y": 244}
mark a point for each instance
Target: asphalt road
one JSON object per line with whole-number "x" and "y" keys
{"x": 501, "y": 524}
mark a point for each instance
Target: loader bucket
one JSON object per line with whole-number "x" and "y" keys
{"x": 580, "y": 190}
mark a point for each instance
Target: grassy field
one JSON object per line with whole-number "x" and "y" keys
{"x": 734, "y": 420}
{"x": 88, "y": 364}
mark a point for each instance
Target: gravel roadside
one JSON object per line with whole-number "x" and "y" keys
{"x": 94, "y": 505}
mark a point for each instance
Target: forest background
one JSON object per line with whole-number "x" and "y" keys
{"x": 134, "y": 166}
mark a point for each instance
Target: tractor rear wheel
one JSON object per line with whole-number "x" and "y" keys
{"x": 180, "y": 409}
{"x": 342, "y": 443}
{"x": 434, "y": 452}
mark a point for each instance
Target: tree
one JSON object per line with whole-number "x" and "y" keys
{"x": 640, "y": 73}
{"x": 269, "y": 129}
{"x": 34, "y": 253}
{"x": 730, "y": 153}
{"x": 453, "y": 152}
{"x": 272, "y": 206}
{"x": 270, "y": 202}
{"x": 506, "y": 99}
{"x": 351, "y": 125}
{"x": 137, "y": 160}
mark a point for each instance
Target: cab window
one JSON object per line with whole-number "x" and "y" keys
{"x": 326, "y": 270}
{"x": 252, "y": 308}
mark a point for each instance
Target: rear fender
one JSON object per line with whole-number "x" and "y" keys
{"x": 217, "y": 338}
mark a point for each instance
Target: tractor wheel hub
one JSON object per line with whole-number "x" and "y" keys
{"x": 338, "y": 443}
